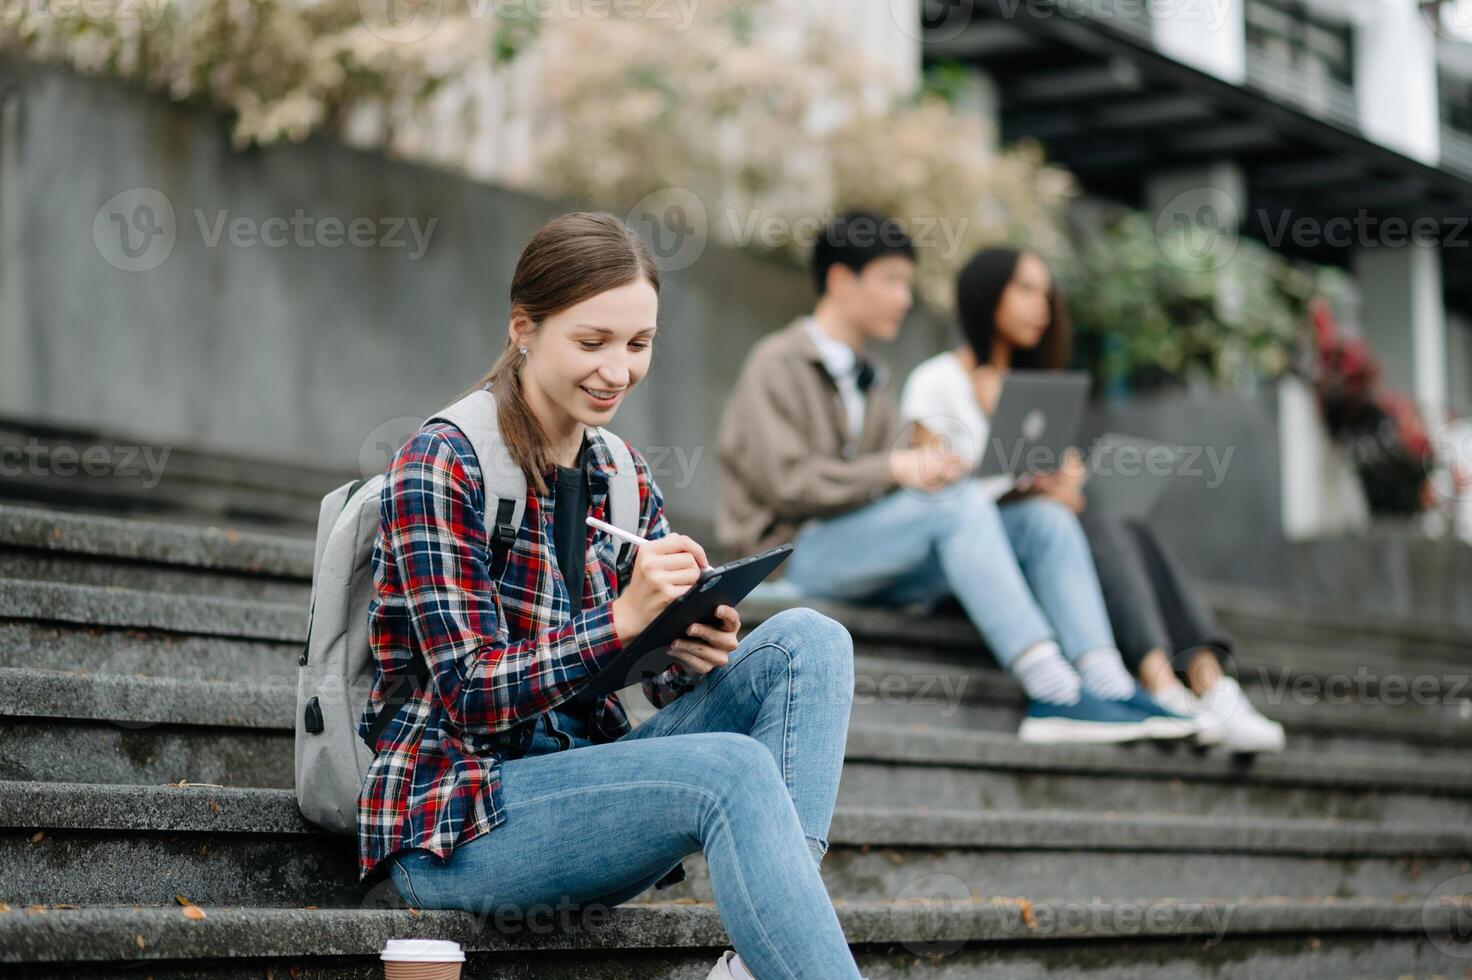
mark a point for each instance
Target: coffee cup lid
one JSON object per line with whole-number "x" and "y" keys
{"x": 422, "y": 951}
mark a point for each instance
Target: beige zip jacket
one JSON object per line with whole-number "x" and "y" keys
{"x": 785, "y": 452}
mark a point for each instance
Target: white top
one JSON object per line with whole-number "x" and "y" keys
{"x": 939, "y": 395}
{"x": 842, "y": 363}
{"x": 422, "y": 951}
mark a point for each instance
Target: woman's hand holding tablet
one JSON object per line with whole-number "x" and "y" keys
{"x": 707, "y": 647}
{"x": 664, "y": 570}
{"x": 660, "y": 621}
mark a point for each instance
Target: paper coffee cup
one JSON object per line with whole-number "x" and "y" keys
{"x": 421, "y": 959}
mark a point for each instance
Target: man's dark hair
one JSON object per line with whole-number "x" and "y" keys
{"x": 856, "y": 239}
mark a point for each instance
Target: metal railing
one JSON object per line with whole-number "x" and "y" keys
{"x": 1333, "y": 101}
{"x": 1456, "y": 151}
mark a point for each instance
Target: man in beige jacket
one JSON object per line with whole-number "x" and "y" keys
{"x": 812, "y": 451}
{"x": 812, "y": 429}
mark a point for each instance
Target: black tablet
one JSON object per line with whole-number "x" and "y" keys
{"x": 648, "y": 655}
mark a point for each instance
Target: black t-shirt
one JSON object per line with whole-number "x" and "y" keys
{"x": 569, "y": 526}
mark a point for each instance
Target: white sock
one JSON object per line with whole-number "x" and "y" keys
{"x": 738, "y": 969}
{"x": 1104, "y": 674}
{"x": 1045, "y": 675}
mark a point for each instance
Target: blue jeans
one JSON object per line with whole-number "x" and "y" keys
{"x": 1022, "y": 571}
{"x": 744, "y": 767}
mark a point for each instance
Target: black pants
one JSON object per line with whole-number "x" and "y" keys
{"x": 1152, "y": 602}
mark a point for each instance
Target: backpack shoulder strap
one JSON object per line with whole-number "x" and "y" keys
{"x": 504, "y": 482}
{"x": 505, "y": 492}
{"x": 623, "y": 488}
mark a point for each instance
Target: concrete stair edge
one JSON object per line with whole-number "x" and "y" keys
{"x": 114, "y": 934}
{"x": 191, "y": 809}
{"x": 288, "y": 555}
{"x": 142, "y": 702}
{"x": 134, "y": 539}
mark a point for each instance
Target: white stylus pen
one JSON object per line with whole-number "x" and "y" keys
{"x": 617, "y": 532}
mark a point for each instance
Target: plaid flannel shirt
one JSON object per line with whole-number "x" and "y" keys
{"x": 501, "y": 651}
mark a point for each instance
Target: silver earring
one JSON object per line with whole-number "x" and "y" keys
{"x": 522, "y": 349}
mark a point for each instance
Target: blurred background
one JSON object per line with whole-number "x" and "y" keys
{"x": 246, "y": 246}
{"x": 237, "y": 232}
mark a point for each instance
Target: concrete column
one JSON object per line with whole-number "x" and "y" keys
{"x": 17, "y": 348}
{"x": 1395, "y": 78}
{"x": 1459, "y": 362}
{"x": 1404, "y": 319}
{"x": 1210, "y": 202}
{"x": 1210, "y": 36}
{"x": 1321, "y": 492}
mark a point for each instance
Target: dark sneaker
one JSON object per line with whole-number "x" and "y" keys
{"x": 1087, "y": 720}
{"x": 1161, "y": 722}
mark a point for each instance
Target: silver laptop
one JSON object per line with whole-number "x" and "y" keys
{"x": 1129, "y": 474}
{"x": 1036, "y": 420}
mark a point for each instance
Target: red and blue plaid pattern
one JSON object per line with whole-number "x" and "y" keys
{"x": 501, "y": 650}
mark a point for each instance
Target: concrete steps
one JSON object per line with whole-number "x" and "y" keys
{"x": 87, "y": 843}
{"x": 946, "y": 938}
{"x": 114, "y": 728}
{"x": 933, "y": 685}
{"x": 136, "y": 653}
{"x": 115, "y": 473}
{"x": 87, "y": 549}
{"x": 45, "y": 544}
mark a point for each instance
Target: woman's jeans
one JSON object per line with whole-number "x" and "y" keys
{"x": 1152, "y": 600}
{"x": 1022, "y": 571}
{"x": 744, "y": 767}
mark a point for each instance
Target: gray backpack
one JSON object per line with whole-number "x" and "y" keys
{"x": 337, "y": 665}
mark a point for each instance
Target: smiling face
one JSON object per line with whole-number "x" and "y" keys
{"x": 1025, "y": 310}
{"x": 582, "y": 361}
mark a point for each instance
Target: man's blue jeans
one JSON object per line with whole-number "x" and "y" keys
{"x": 1022, "y": 571}
{"x": 744, "y": 767}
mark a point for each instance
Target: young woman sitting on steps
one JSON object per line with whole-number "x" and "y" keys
{"x": 494, "y": 790}
{"x": 1010, "y": 313}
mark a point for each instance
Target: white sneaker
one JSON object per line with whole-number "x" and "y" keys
{"x": 722, "y": 969}
{"x": 1177, "y": 698}
{"x": 727, "y": 966}
{"x": 1228, "y": 720}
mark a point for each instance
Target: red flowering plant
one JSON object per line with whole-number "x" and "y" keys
{"x": 1381, "y": 429}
